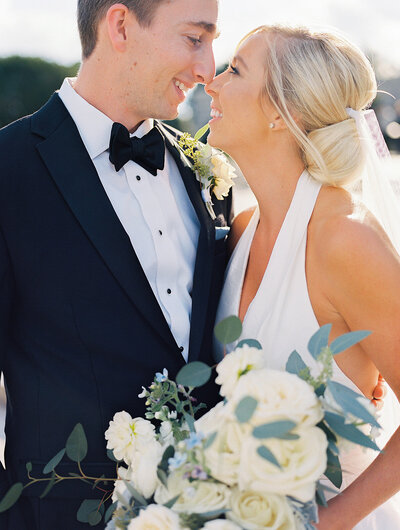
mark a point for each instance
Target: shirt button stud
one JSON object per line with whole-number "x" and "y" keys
{"x": 169, "y": 291}
{"x": 181, "y": 348}
{"x": 160, "y": 232}
{"x": 138, "y": 177}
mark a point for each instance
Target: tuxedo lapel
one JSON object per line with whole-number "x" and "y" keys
{"x": 69, "y": 164}
{"x": 205, "y": 249}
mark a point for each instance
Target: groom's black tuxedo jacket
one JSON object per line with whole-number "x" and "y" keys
{"x": 80, "y": 328}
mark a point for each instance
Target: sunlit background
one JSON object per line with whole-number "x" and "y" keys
{"x": 46, "y": 29}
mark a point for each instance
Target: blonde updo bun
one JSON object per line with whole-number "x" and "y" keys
{"x": 311, "y": 78}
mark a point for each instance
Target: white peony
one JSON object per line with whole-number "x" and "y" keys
{"x": 200, "y": 496}
{"x": 223, "y": 455}
{"x": 255, "y": 511}
{"x": 280, "y": 395}
{"x": 221, "y": 524}
{"x": 126, "y": 436}
{"x": 302, "y": 462}
{"x": 224, "y": 174}
{"x": 235, "y": 365}
{"x": 155, "y": 517}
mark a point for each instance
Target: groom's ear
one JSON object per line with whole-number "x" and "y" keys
{"x": 119, "y": 20}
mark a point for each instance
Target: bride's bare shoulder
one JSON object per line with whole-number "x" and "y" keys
{"x": 239, "y": 225}
{"x": 342, "y": 230}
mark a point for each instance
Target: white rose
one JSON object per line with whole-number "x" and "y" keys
{"x": 200, "y": 496}
{"x": 143, "y": 471}
{"x": 223, "y": 455}
{"x": 155, "y": 517}
{"x": 280, "y": 395}
{"x": 166, "y": 434}
{"x": 126, "y": 436}
{"x": 255, "y": 511}
{"x": 235, "y": 365}
{"x": 221, "y": 524}
{"x": 302, "y": 462}
{"x": 223, "y": 173}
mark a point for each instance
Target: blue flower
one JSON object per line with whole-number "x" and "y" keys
{"x": 194, "y": 440}
{"x": 160, "y": 378}
{"x": 177, "y": 461}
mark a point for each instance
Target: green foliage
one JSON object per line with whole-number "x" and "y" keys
{"x": 27, "y": 83}
{"x": 245, "y": 409}
{"x": 347, "y": 340}
{"x": 201, "y": 132}
{"x": 265, "y": 453}
{"x": 90, "y": 511}
{"x": 334, "y": 471}
{"x": 76, "y": 446}
{"x": 319, "y": 340}
{"x": 11, "y": 497}
{"x": 252, "y": 343}
{"x": 276, "y": 429}
{"x": 348, "y": 400}
{"x": 349, "y": 431}
{"x": 194, "y": 374}
{"x": 54, "y": 462}
{"x": 228, "y": 330}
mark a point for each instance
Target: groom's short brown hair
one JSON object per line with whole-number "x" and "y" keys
{"x": 90, "y": 12}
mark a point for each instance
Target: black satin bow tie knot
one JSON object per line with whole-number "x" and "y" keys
{"x": 148, "y": 151}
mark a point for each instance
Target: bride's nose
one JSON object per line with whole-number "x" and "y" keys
{"x": 213, "y": 87}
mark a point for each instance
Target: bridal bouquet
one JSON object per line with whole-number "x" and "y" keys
{"x": 254, "y": 461}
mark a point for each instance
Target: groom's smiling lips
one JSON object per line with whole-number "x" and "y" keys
{"x": 181, "y": 88}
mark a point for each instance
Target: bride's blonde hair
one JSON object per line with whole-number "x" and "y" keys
{"x": 311, "y": 78}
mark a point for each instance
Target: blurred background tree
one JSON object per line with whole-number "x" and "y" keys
{"x": 27, "y": 83}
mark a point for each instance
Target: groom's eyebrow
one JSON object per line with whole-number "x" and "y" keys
{"x": 207, "y": 26}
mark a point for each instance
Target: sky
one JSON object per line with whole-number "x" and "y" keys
{"x": 47, "y": 28}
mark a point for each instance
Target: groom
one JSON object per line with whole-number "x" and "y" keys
{"x": 110, "y": 268}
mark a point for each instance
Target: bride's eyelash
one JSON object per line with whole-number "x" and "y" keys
{"x": 233, "y": 70}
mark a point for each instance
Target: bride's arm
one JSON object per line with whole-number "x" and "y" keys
{"x": 363, "y": 285}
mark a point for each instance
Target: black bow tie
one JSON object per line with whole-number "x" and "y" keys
{"x": 149, "y": 151}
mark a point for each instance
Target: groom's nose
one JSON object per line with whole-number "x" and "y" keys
{"x": 204, "y": 67}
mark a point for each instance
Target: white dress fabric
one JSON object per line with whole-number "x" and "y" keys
{"x": 282, "y": 319}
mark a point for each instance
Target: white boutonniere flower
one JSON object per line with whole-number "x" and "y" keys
{"x": 211, "y": 167}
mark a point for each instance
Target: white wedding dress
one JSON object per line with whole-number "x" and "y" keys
{"x": 281, "y": 318}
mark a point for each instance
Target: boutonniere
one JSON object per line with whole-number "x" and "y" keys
{"x": 211, "y": 167}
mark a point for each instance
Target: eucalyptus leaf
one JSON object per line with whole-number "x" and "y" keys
{"x": 251, "y": 343}
{"x": 110, "y": 511}
{"x": 210, "y": 440}
{"x": 28, "y": 467}
{"x": 295, "y": 363}
{"x": 49, "y": 486}
{"x": 349, "y": 431}
{"x": 95, "y": 518}
{"x": 135, "y": 494}
{"x": 347, "y": 340}
{"x": 334, "y": 471}
{"x": 320, "y": 391}
{"x": 194, "y": 374}
{"x": 162, "y": 476}
{"x": 320, "y": 496}
{"x": 190, "y": 421}
{"x": 349, "y": 401}
{"x": 168, "y": 453}
{"x": 228, "y": 330}
{"x": 76, "y": 446}
{"x": 245, "y": 409}
{"x": 11, "y": 497}
{"x": 319, "y": 340}
{"x": 171, "y": 502}
{"x": 111, "y": 455}
{"x": 201, "y": 132}
{"x": 276, "y": 429}
{"x": 87, "y": 507}
{"x": 54, "y": 462}
{"x": 214, "y": 513}
{"x": 265, "y": 453}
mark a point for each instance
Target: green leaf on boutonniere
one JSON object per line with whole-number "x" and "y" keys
{"x": 349, "y": 431}
{"x": 276, "y": 429}
{"x": 11, "y": 497}
{"x": 228, "y": 330}
{"x": 245, "y": 409}
{"x": 194, "y": 374}
{"x": 252, "y": 343}
{"x": 53, "y": 462}
{"x": 347, "y": 340}
{"x": 348, "y": 400}
{"x": 265, "y": 453}
{"x": 319, "y": 340}
{"x": 76, "y": 446}
{"x": 201, "y": 132}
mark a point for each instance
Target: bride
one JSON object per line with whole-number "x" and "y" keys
{"x": 288, "y": 110}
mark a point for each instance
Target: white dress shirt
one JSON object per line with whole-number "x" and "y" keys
{"x": 155, "y": 212}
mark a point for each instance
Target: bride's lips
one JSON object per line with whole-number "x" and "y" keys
{"x": 181, "y": 89}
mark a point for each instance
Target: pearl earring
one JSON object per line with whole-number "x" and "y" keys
{"x": 272, "y": 125}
